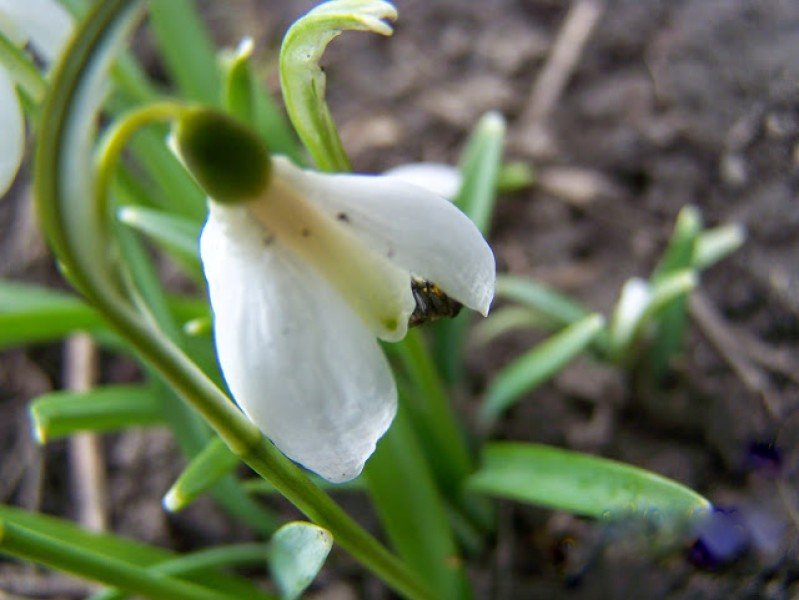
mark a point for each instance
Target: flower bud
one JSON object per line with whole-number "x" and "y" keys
{"x": 226, "y": 158}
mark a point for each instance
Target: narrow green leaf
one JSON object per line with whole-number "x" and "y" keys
{"x": 30, "y": 314}
{"x": 581, "y": 484}
{"x": 303, "y": 81}
{"x": 60, "y": 414}
{"x": 22, "y": 69}
{"x": 233, "y": 555}
{"x": 238, "y": 89}
{"x": 480, "y": 167}
{"x": 297, "y": 552}
{"x": 246, "y": 99}
{"x": 410, "y": 508}
{"x": 119, "y": 548}
{"x": 557, "y": 309}
{"x": 539, "y": 364}
{"x": 715, "y": 244}
{"x": 187, "y": 49}
{"x": 668, "y": 339}
{"x": 680, "y": 251}
{"x": 177, "y": 235}
{"x": 515, "y": 176}
{"x": 202, "y": 473}
{"x": 95, "y": 566}
{"x": 504, "y": 320}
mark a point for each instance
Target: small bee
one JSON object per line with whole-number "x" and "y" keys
{"x": 431, "y": 303}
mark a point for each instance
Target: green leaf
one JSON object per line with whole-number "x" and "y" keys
{"x": 480, "y": 167}
{"x": 120, "y": 548}
{"x": 715, "y": 244}
{"x": 21, "y": 69}
{"x": 247, "y": 100}
{"x": 60, "y": 414}
{"x": 177, "y": 235}
{"x": 408, "y": 503}
{"x": 555, "y": 308}
{"x": 30, "y": 314}
{"x": 200, "y": 475}
{"x": 233, "y": 555}
{"x": 680, "y": 251}
{"x": 504, "y": 320}
{"x": 303, "y": 81}
{"x": 533, "y": 368}
{"x": 581, "y": 484}
{"x": 88, "y": 563}
{"x": 515, "y": 176}
{"x": 187, "y": 49}
{"x": 297, "y": 553}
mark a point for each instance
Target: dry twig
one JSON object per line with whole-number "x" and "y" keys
{"x": 85, "y": 451}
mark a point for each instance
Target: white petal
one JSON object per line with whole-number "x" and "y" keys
{"x": 296, "y": 358}
{"x": 374, "y": 287}
{"x": 12, "y": 139}
{"x": 416, "y": 229}
{"x": 45, "y": 22}
{"x": 444, "y": 180}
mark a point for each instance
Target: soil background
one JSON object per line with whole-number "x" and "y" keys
{"x": 668, "y": 103}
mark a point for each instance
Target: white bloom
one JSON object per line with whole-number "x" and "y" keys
{"x": 47, "y": 27}
{"x": 305, "y": 278}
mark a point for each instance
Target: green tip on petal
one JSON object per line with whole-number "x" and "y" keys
{"x": 226, "y": 158}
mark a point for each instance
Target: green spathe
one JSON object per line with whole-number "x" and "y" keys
{"x": 226, "y": 158}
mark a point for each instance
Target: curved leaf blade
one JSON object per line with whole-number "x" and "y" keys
{"x": 581, "y": 484}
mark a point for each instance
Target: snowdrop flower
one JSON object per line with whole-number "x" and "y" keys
{"x": 47, "y": 27}
{"x": 306, "y": 271}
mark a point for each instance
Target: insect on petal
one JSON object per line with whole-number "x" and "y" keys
{"x": 418, "y": 230}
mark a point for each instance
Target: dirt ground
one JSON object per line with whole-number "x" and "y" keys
{"x": 663, "y": 104}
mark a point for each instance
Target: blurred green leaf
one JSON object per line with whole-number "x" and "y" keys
{"x": 515, "y": 176}
{"x": 297, "y": 552}
{"x": 410, "y": 508}
{"x": 86, "y": 562}
{"x": 120, "y": 548}
{"x": 680, "y": 250}
{"x": 504, "y": 320}
{"x": 555, "y": 308}
{"x": 480, "y": 168}
{"x": 231, "y": 555}
{"x": 30, "y": 314}
{"x": 713, "y": 245}
{"x": 177, "y": 235}
{"x": 186, "y": 48}
{"x": 581, "y": 484}
{"x": 204, "y": 471}
{"x": 247, "y": 99}
{"x": 60, "y": 414}
{"x": 22, "y": 69}
{"x": 531, "y": 369}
